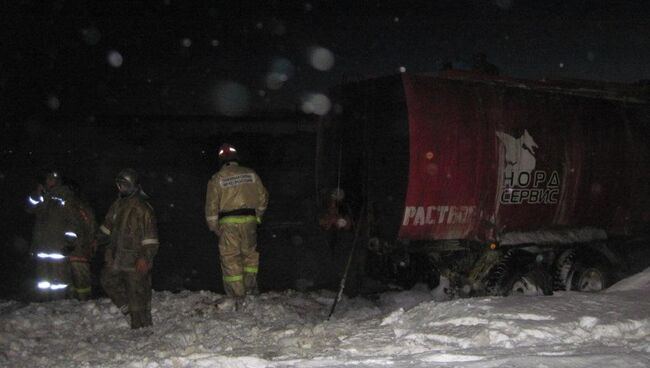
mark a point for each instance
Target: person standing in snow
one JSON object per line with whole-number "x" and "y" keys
{"x": 83, "y": 248}
{"x": 235, "y": 202}
{"x": 335, "y": 219}
{"x": 62, "y": 240}
{"x": 131, "y": 225}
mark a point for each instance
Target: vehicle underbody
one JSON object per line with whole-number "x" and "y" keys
{"x": 478, "y": 269}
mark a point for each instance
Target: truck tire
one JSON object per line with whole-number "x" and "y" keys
{"x": 564, "y": 269}
{"x": 534, "y": 282}
{"x": 519, "y": 274}
{"x": 590, "y": 276}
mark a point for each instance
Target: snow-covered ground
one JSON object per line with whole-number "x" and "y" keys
{"x": 290, "y": 329}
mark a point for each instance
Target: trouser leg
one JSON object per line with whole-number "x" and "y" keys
{"x": 43, "y": 275}
{"x": 81, "y": 279}
{"x": 114, "y": 285}
{"x": 62, "y": 274}
{"x": 139, "y": 294}
{"x": 250, "y": 257}
{"x": 231, "y": 265}
{"x": 52, "y": 279}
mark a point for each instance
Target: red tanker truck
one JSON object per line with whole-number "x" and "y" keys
{"x": 499, "y": 185}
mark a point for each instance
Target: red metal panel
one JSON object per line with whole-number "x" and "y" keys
{"x": 450, "y": 158}
{"x": 487, "y": 159}
{"x": 539, "y": 159}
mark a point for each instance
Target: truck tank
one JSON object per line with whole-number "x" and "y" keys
{"x": 499, "y": 185}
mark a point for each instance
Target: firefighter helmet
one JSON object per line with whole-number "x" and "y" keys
{"x": 53, "y": 175}
{"x": 227, "y": 152}
{"x": 52, "y": 179}
{"x": 127, "y": 181}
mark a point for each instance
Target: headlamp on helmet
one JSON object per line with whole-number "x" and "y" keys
{"x": 228, "y": 152}
{"x": 52, "y": 179}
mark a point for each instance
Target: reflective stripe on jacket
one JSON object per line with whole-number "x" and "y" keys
{"x": 59, "y": 223}
{"x": 233, "y": 188}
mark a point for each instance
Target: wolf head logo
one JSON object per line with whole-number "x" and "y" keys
{"x": 519, "y": 153}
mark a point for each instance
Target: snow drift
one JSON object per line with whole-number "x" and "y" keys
{"x": 289, "y": 329}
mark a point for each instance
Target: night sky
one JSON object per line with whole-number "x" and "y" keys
{"x": 241, "y": 57}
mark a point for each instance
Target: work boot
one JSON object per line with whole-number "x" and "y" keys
{"x": 140, "y": 319}
{"x": 227, "y": 304}
{"x": 253, "y": 291}
{"x": 240, "y": 304}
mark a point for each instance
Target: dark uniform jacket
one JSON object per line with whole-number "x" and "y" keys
{"x": 63, "y": 223}
{"x": 131, "y": 225}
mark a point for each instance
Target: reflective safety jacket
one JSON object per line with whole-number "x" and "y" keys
{"x": 60, "y": 226}
{"x": 235, "y": 194}
{"x": 131, "y": 225}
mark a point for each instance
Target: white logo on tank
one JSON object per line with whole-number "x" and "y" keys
{"x": 520, "y": 155}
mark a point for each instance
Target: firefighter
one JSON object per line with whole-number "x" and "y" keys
{"x": 62, "y": 240}
{"x": 235, "y": 202}
{"x": 130, "y": 224}
{"x": 335, "y": 219}
{"x": 83, "y": 249}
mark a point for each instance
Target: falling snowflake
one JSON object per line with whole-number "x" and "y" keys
{"x": 591, "y": 56}
{"x": 53, "y": 103}
{"x": 275, "y": 81}
{"x": 231, "y": 98}
{"x": 114, "y": 59}
{"x": 321, "y": 58}
{"x": 316, "y": 103}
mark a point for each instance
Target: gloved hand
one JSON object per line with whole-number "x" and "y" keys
{"x": 142, "y": 266}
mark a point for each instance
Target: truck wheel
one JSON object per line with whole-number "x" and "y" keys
{"x": 519, "y": 274}
{"x": 528, "y": 283}
{"x": 564, "y": 269}
{"x": 590, "y": 276}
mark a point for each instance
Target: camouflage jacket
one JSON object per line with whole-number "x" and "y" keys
{"x": 232, "y": 188}
{"x": 131, "y": 225}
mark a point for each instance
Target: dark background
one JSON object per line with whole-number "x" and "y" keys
{"x": 90, "y": 87}
{"x": 58, "y": 56}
